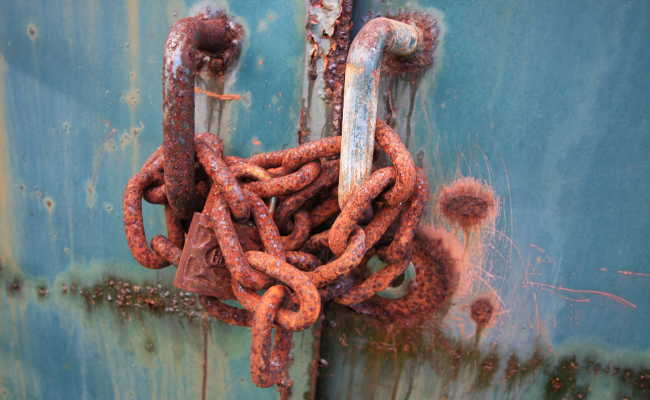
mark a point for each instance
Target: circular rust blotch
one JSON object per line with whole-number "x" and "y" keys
{"x": 32, "y": 32}
{"x": 424, "y": 57}
{"x": 467, "y": 202}
{"x": 467, "y": 206}
{"x": 481, "y": 311}
{"x": 436, "y": 258}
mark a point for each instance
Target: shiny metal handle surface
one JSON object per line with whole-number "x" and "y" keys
{"x": 362, "y": 77}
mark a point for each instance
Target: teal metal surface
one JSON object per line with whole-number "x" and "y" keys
{"x": 80, "y": 110}
{"x": 547, "y": 101}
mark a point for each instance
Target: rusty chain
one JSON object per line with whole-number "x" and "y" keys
{"x": 305, "y": 252}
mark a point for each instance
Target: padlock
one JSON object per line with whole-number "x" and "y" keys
{"x": 201, "y": 269}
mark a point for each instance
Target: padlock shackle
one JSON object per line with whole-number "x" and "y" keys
{"x": 362, "y": 77}
{"x": 189, "y": 39}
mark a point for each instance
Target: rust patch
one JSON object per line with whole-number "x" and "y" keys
{"x": 334, "y": 73}
{"x": 42, "y": 291}
{"x": 481, "y": 312}
{"x": 128, "y": 299}
{"x": 191, "y": 43}
{"x": 468, "y": 203}
{"x": 32, "y": 32}
{"x": 15, "y": 286}
{"x": 423, "y": 57}
{"x": 436, "y": 261}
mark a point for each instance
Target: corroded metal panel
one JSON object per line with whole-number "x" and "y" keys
{"x": 547, "y": 102}
{"x": 80, "y": 109}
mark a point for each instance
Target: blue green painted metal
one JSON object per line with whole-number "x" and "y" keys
{"x": 80, "y": 109}
{"x": 547, "y": 101}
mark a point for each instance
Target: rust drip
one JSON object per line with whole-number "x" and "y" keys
{"x": 481, "y": 312}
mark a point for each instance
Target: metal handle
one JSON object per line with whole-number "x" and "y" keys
{"x": 362, "y": 77}
{"x": 184, "y": 48}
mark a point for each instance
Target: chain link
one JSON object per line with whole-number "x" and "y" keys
{"x": 306, "y": 252}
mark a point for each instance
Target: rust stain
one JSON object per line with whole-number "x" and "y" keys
{"x": 334, "y": 68}
{"x": 210, "y": 40}
{"x": 7, "y": 244}
{"x": 224, "y": 97}
{"x": 468, "y": 203}
{"x": 49, "y": 204}
{"x": 32, "y": 31}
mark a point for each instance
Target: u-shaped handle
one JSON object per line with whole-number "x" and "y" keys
{"x": 362, "y": 77}
{"x": 189, "y": 39}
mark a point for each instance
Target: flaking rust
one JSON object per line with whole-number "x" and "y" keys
{"x": 128, "y": 298}
{"x": 328, "y": 37}
{"x": 334, "y": 71}
{"x": 191, "y": 42}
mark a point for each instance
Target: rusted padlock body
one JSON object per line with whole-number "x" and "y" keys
{"x": 200, "y": 269}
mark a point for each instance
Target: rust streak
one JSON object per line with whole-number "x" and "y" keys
{"x": 608, "y": 295}
{"x": 225, "y": 97}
